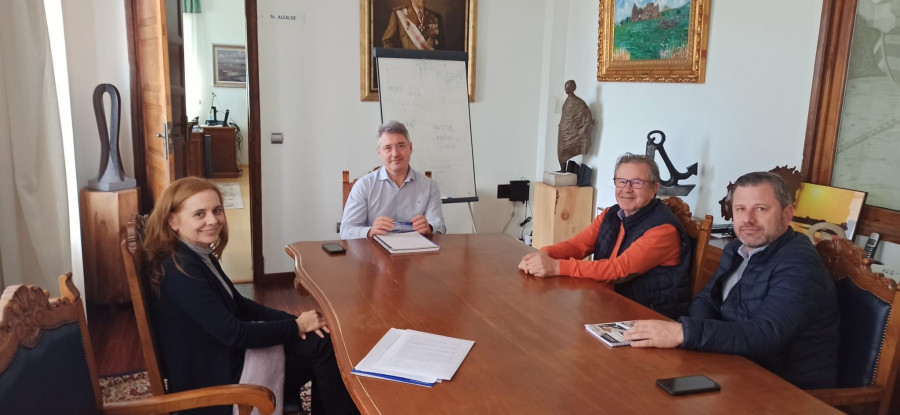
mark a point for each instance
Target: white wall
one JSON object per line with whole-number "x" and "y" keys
{"x": 749, "y": 115}
{"x": 309, "y": 90}
{"x": 97, "y": 51}
{"x": 222, "y": 22}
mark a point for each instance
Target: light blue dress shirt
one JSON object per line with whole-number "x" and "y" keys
{"x": 375, "y": 194}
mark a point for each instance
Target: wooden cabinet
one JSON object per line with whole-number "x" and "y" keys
{"x": 560, "y": 213}
{"x": 104, "y": 216}
{"x": 223, "y": 155}
{"x": 224, "y": 151}
{"x": 195, "y": 154}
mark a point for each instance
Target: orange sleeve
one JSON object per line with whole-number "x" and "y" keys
{"x": 579, "y": 246}
{"x": 658, "y": 246}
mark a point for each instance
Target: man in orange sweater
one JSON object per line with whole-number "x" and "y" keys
{"x": 638, "y": 244}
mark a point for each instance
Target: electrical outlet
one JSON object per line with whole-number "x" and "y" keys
{"x": 502, "y": 191}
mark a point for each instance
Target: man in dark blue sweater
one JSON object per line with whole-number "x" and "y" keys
{"x": 771, "y": 299}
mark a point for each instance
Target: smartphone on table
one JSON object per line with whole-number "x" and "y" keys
{"x": 688, "y": 384}
{"x": 333, "y": 248}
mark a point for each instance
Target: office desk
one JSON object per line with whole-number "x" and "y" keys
{"x": 531, "y": 354}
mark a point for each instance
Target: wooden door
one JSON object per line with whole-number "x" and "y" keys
{"x": 161, "y": 85}
{"x": 175, "y": 44}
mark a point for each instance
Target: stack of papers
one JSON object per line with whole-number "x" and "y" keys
{"x": 401, "y": 243}
{"x": 611, "y": 334}
{"x": 414, "y": 357}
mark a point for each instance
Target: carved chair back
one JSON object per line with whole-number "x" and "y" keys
{"x": 46, "y": 358}
{"x": 699, "y": 231}
{"x": 347, "y": 184}
{"x": 140, "y": 294}
{"x": 870, "y": 328}
{"x": 47, "y": 363}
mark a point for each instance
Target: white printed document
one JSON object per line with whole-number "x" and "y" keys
{"x": 414, "y": 357}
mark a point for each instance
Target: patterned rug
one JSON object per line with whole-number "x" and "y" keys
{"x": 132, "y": 386}
{"x": 125, "y": 387}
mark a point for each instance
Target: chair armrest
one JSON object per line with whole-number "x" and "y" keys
{"x": 848, "y": 396}
{"x": 249, "y": 396}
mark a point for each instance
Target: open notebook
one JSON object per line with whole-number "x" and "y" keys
{"x": 407, "y": 242}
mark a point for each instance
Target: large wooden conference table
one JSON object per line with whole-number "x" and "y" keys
{"x": 532, "y": 354}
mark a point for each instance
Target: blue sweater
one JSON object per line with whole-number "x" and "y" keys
{"x": 782, "y": 314}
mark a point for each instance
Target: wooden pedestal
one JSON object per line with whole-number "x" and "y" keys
{"x": 104, "y": 216}
{"x": 560, "y": 213}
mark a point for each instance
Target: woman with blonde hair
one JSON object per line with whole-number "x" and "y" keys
{"x": 207, "y": 332}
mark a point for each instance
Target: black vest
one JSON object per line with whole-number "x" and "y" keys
{"x": 663, "y": 288}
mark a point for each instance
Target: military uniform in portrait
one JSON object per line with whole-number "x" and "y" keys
{"x": 408, "y": 30}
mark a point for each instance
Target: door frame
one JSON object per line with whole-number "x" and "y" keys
{"x": 253, "y": 140}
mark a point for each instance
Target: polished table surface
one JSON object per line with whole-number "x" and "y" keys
{"x": 531, "y": 354}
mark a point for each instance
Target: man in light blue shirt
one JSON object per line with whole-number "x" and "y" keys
{"x": 394, "y": 198}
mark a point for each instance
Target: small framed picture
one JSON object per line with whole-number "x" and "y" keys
{"x": 229, "y": 66}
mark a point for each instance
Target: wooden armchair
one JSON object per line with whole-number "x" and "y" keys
{"x": 870, "y": 329}
{"x": 348, "y": 184}
{"x": 134, "y": 239}
{"x": 47, "y": 363}
{"x": 699, "y": 232}
{"x": 130, "y": 248}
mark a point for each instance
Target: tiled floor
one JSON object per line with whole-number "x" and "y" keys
{"x": 237, "y": 260}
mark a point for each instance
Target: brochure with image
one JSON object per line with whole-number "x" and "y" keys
{"x": 611, "y": 334}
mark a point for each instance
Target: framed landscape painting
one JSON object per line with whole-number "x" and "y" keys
{"x": 229, "y": 66}
{"x": 652, "y": 40}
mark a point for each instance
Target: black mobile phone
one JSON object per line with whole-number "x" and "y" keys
{"x": 333, "y": 248}
{"x": 687, "y": 384}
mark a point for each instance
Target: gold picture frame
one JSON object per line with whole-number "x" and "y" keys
{"x": 457, "y": 30}
{"x": 675, "y": 53}
{"x": 229, "y": 66}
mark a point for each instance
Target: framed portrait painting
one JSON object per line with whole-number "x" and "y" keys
{"x": 652, "y": 40}
{"x": 229, "y": 66}
{"x": 414, "y": 24}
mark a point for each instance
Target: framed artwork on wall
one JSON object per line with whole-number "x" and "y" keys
{"x": 443, "y": 25}
{"x": 639, "y": 41}
{"x": 817, "y": 203}
{"x": 229, "y": 66}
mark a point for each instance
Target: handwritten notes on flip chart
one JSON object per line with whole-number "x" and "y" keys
{"x": 430, "y": 97}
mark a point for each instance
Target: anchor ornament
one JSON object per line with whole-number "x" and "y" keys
{"x": 669, "y": 187}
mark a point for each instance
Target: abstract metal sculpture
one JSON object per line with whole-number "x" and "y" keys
{"x": 669, "y": 187}
{"x": 112, "y": 176}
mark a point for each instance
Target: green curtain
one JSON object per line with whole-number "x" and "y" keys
{"x": 190, "y": 6}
